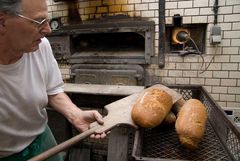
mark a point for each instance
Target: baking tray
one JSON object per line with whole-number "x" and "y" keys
{"x": 221, "y": 141}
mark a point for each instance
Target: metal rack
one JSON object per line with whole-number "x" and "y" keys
{"x": 221, "y": 140}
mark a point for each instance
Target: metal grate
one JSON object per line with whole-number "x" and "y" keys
{"x": 221, "y": 141}
{"x": 163, "y": 143}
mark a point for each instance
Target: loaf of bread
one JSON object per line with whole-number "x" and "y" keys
{"x": 151, "y": 107}
{"x": 191, "y": 123}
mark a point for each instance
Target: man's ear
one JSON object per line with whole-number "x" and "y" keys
{"x": 2, "y": 23}
{"x": 2, "y": 19}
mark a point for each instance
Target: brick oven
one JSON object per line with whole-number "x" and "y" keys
{"x": 109, "y": 42}
{"x": 110, "y": 50}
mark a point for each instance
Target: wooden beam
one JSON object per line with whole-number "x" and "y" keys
{"x": 98, "y": 89}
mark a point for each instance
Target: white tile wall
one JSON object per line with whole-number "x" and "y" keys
{"x": 222, "y": 78}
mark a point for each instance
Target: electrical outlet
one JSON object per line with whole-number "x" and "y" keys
{"x": 215, "y": 35}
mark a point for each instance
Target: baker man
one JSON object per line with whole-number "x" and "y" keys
{"x": 29, "y": 80}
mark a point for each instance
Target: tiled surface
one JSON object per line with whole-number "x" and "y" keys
{"x": 222, "y": 79}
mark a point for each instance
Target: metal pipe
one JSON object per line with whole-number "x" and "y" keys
{"x": 215, "y": 10}
{"x": 162, "y": 38}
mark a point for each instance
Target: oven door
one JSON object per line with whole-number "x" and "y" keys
{"x": 107, "y": 74}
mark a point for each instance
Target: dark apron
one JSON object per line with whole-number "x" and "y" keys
{"x": 42, "y": 143}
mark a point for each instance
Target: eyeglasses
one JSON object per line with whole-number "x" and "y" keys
{"x": 40, "y": 24}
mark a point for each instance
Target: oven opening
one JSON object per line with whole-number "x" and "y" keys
{"x": 109, "y": 44}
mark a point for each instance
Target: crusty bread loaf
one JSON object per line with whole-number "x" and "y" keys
{"x": 151, "y": 108}
{"x": 190, "y": 123}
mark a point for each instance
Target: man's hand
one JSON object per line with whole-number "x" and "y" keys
{"x": 79, "y": 118}
{"x": 83, "y": 119}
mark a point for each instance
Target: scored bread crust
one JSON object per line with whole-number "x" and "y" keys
{"x": 151, "y": 108}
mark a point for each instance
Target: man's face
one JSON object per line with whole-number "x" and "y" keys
{"x": 22, "y": 33}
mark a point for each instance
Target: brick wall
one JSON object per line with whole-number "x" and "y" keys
{"x": 222, "y": 77}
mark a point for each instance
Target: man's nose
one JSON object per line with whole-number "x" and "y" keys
{"x": 46, "y": 29}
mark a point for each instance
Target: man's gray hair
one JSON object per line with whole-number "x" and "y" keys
{"x": 10, "y": 6}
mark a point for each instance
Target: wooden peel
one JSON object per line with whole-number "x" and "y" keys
{"x": 119, "y": 112}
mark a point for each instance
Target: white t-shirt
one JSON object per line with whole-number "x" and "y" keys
{"x": 24, "y": 89}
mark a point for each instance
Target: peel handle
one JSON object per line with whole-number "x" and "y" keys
{"x": 64, "y": 145}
